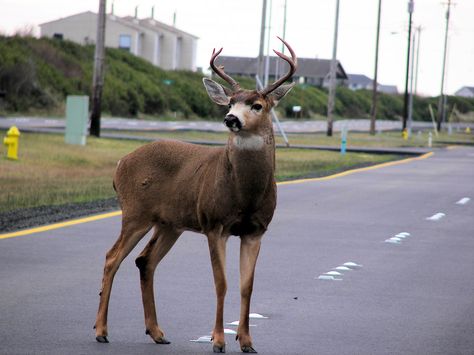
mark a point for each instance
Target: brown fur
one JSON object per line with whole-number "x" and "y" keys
{"x": 173, "y": 187}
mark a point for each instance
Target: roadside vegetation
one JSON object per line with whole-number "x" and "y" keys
{"x": 37, "y": 74}
{"x": 388, "y": 139}
{"x": 50, "y": 172}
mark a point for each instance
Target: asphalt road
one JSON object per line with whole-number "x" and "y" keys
{"x": 289, "y": 126}
{"x": 416, "y": 297}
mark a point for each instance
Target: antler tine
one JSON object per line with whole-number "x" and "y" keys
{"x": 293, "y": 62}
{"x": 220, "y": 71}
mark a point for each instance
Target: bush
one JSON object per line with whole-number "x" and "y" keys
{"x": 40, "y": 73}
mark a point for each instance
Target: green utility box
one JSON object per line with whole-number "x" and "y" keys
{"x": 77, "y": 115}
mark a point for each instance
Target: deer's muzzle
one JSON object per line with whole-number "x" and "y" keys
{"x": 233, "y": 123}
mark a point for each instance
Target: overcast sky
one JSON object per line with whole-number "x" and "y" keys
{"x": 235, "y": 25}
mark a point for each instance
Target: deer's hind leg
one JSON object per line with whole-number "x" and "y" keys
{"x": 133, "y": 230}
{"x": 162, "y": 241}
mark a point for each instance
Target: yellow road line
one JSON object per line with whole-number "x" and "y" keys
{"x": 60, "y": 225}
{"x": 118, "y": 213}
{"x": 349, "y": 172}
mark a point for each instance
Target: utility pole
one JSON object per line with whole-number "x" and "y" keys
{"x": 98, "y": 76}
{"x": 442, "y": 100}
{"x": 332, "y": 76}
{"x": 277, "y": 69}
{"x": 405, "y": 101}
{"x": 267, "y": 57}
{"x": 373, "y": 110}
{"x": 418, "y": 35}
{"x": 410, "y": 99}
{"x": 262, "y": 40}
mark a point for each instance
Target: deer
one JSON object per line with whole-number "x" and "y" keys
{"x": 173, "y": 186}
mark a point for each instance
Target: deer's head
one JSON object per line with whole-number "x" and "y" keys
{"x": 248, "y": 109}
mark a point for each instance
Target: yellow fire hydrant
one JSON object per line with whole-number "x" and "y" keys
{"x": 405, "y": 134}
{"x": 11, "y": 141}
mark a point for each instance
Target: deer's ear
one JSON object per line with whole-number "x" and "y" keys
{"x": 280, "y": 92}
{"x": 216, "y": 92}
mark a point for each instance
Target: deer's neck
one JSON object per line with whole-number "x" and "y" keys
{"x": 252, "y": 162}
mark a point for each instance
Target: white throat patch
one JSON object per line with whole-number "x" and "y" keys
{"x": 248, "y": 142}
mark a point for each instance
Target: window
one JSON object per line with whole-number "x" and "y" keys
{"x": 125, "y": 42}
{"x": 58, "y": 36}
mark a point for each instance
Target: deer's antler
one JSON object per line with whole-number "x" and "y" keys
{"x": 293, "y": 62}
{"x": 220, "y": 71}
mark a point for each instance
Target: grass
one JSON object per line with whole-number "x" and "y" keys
{"x": 388, "y": 139}
{"x": 50, "y": 172}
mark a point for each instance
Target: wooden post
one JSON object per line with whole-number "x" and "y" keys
{"x": 98, "y": 77}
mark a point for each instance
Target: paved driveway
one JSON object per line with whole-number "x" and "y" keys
{"x": 415, "y": 297}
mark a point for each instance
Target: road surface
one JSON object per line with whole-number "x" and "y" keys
{"x": 415, "y": 297}
{"x": 289, "y": 126}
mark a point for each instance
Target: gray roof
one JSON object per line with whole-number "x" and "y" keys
{"x": 307, "y": 67}
{"x": 359, "y": 79}
{"x": 470, "y": 88}
{"x": 388, "y": 89}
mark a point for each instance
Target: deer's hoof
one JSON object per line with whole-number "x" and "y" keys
{"x": 162, "y": 340}
{"x": 218, "y": 348}
{"x": 248, "y": 349}
{"x": 102, "y": 339}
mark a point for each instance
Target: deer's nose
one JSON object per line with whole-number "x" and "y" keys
{"x": 233, "y": 122}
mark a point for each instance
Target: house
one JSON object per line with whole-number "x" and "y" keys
{"x": 360, "y": 81}
{"x": 465, "y": 91}
{"x": 387, "y": 89}
{"x": 163, "y": 45}
{"x": 310, "y": 71}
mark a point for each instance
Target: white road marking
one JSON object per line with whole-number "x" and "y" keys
{"x": 333, "y": 273}
{"x": 229, "y": 331}
{"x": 328, "y": 278}
{"x": 343, "y": 268}
{"x": 403, "y": 233}
{"x": 436, "y": 217}
{"x": 393, "y": 241}
{"x": 352, "y": 265}
{"x": 236, "y": 323}
{"x": 203, "y": 339}
{"x": 463, "y": 201}
{"x": 257, "y": 316}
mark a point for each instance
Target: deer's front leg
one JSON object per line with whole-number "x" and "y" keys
{"x": 249, "y": 249}
{"x": 217, "y": 244}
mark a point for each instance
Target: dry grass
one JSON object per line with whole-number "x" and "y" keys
{"x": 52, "y": 172}
{"x": 355, "y": 139}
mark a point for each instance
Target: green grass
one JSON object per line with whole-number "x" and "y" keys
{"x": 297, "y": 163}
{"x": 50, "y": 172}
{"x": 355, "y": 139}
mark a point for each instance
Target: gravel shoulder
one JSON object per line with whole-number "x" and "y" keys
{"x": 37, "y": 216}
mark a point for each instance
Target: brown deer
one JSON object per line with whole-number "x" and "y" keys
{"x": 175, "y": 186}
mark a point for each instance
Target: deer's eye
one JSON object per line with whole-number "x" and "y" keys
{"x": 256, "y": 107}
{"x": 229, "y": 106}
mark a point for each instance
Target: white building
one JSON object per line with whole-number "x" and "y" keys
{"x": 163, "y": 45}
